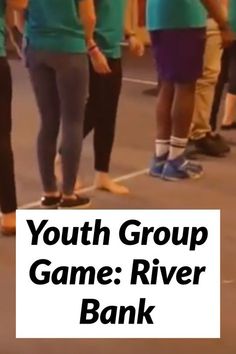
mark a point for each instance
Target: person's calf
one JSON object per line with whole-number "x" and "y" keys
{"x": 163, "y": 110}
{"x": 183, "y": 108}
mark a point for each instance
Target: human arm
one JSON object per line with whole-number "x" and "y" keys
{"x": 135, "y": 44}
{"x": 87, "y": 16}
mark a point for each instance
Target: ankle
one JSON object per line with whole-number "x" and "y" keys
{"x": 55, "y": 194}
{"x": 69, "y": 196}
{"x": 102, "y": 175}
{"x": 177, "y": 147}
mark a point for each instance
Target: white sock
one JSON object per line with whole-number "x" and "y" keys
{"x": 177, "y": 147}
{"x": 161, "y": 147}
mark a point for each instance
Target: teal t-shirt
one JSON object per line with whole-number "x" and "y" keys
{"x": 232, "y": 14}
{"x": 53, "y": 25}
{"x": 110, "y": 26}
{"x": 2, "y": 28}
{"x": 171, "y": 14}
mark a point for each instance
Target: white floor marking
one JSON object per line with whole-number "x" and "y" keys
{"x": 91, "y": 188}
{"x": 228, "y": 281}
{"x": 131, "y": 175}
{"x": 138, "y": 81}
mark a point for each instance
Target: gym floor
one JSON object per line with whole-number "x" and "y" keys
{"x": 132, "y": 152}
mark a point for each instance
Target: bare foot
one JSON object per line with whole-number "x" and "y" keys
{"x": 104, "y": 182}
{"x": 78, "y": 185}
{"x": 8, "y": 224}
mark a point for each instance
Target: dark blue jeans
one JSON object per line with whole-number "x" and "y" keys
{"x": 60, "y": 84}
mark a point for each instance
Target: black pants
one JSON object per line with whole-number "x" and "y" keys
{"x": 219, "y": 89}
{"x": 101, "y": 112}
{"x": 227, "y": 74}
{"x": 7, "y": 180}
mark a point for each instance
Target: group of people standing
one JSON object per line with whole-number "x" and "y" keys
{"x": 73, "y": 54}
{"x": 187, "y": 54}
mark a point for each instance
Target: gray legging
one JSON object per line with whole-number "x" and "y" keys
{"x": 60, "y": 85}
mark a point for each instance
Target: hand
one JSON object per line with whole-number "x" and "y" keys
{"x": 99, "y": 62}
{"x": 136, "y": 46}
{"x": 227, "y": 37}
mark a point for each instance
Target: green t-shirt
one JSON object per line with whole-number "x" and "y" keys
{"x": 2, "y": 28}
{"x": 110, "y": 26}
{"x": 171, "y": 14}
{"x": 53, "y": 25}
{"x": 232, "y": 14}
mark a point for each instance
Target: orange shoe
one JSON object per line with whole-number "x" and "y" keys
{"x": 8, "y": 224}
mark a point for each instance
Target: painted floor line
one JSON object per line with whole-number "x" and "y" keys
{"x": 138, "y": 81}
{"x": 91, "y": 188}
{"x": 228, "y": 281}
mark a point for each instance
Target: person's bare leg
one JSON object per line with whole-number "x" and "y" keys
{"x": 183, "y": 108}
{"x": 229, "y": 110}
{"x": 163, "y": 119}
{"x": 163, "y": 127}
{"x": 163, "y": 110}
{"x": 182, "y": 112}
{"x": 177, "y": 166}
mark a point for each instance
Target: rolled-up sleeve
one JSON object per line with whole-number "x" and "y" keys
{"x": 17, "y": 4}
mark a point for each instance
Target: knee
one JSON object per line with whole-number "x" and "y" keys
{"x": 232, "y": 72}
{"x": 48, "y": 134}
{"x": 232, "y": 83}
{"x": 186, "y": 88}
{"x": 232, "y": 89}
{"x": 165, "y": 88}
{"x": 72, "y": 134}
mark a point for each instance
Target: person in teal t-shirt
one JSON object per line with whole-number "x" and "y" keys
{"x": 166, "y": 14}
{"x": 177, "y": 29}
{"x": 57, "y": 35}
{"x": 104, "y": 91}
{"x": 7, "y": 180}
{"x": 54, "y": 25}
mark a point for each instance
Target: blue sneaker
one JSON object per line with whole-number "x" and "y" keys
{"x": 157, "y": 165}
{"x": 181, "y": 168}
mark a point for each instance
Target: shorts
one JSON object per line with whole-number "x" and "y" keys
{"x": 179, "y": 54}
